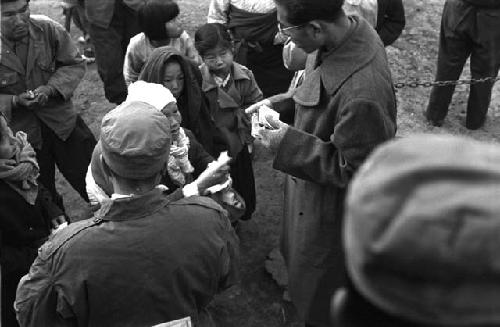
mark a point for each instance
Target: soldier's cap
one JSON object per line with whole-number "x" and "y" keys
{"x": 422, "y": 230}
{"x": 135, "y": 140}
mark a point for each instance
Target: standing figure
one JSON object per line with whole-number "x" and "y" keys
{"x": 468, "y": 28}
{"x": 230, "y": 88}
{"x": 258, "y": 45}
{"x": 112, "y": 24}
{"x": 344, "y": 108}
{"x": 40, "y": 67}
{"x": 143, "y": 259}
{"x": 158, "y": 21}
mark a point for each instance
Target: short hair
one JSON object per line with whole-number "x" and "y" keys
{"x": 211, "y": 35}
{"x": 303, "y": 11}
{"x": 153, "y": 15}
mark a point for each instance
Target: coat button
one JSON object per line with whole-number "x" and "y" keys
{"x": 301, "y": 213}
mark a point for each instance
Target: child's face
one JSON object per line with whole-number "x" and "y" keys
{"x": 174, "y": 116}
{"x": 218, "y": 60}
{"x": 174, "y": 79}
{"x": 7, "y": 140}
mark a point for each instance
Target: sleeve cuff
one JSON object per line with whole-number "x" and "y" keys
{"x": 190, "y": 190}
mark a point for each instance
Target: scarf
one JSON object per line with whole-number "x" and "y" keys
{"x": 178, "y": 162}
{"x": 21, "y": 172}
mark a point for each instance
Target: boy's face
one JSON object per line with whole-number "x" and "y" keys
{"x": 219, "y": 60}
{"x": 7, "y": 140}
{"x": 15, "y": 18}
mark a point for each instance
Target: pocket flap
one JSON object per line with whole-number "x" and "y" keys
{"x": 8, "y": 79}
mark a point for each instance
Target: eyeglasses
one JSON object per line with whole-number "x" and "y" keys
{"x": 285, "y": 30}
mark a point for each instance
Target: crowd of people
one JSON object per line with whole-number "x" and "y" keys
{"x": 375, "y": 230}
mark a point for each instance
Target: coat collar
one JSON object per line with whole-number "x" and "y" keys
{"x": 208, "y": 83}
{"x": 331, "y": 69}
{"x": 135, "y": 207}
{"x": 9, "y": 58}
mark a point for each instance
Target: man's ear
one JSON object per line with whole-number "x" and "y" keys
{"x": 316, "y": 26}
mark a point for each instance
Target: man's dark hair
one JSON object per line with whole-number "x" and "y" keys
{"x": 153, "y": 15}
{"x": 303, "y": 11}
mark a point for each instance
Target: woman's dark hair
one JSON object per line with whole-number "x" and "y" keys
{"x": 211, "y": 35}
{"x": 153, "y": 15}
{"x": 303, "y": 11}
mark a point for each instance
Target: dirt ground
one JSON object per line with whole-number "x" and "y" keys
{"x": 258, "y": 300}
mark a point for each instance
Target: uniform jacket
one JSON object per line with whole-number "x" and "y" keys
{"x": 53, "y": 59}
{"x": 345, "y": 107}
{"x": 233, "y": 126}
{"x": 144, "y": 262}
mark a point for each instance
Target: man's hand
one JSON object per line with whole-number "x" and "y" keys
{"x": 271, "y": 138}
{"x": 25, "y": 99}
{"x": 43, "y": 94}
{"x": 255, "y": 107}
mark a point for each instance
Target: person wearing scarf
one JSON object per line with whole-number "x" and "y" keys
{"x": 26, "y": 211}
{"x": 196, "y": 114}
{"x": 187, "y": 160}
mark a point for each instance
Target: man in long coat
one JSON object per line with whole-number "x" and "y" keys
{"x": 345, "y": 107}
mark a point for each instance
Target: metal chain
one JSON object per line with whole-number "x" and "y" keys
{"x": 415, "y": 84}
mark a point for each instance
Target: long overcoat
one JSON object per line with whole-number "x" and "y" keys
{"x": 345, "y": 107}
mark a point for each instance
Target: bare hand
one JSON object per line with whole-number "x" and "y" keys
{"x": 26, "y": 99}
{"x": 255, "y": 107}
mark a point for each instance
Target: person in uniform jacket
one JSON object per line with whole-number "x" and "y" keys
{"x": 344, "y": 108}
{"x": 143, "y": 259}
{"x": 469, "y": 28}
{"x": 40, "y": 67}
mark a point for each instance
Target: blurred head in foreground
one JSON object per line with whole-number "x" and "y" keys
{"x": 421, "y": 236}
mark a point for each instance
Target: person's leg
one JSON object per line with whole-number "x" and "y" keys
{"x": 46, "y": 162}
{"x": 454, "y": 49}
{"x": 109, "y": 54}
{"x": 244, "y": 181}
{"x": 73, "y": 156}
{"x": 485, "y": 62}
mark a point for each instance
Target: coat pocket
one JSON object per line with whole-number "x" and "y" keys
{"x": 7, "y": 79}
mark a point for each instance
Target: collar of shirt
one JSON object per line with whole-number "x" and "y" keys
{"x": 222, "y": 82}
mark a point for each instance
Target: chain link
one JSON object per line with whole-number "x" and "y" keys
{"x": 415, "y": 84}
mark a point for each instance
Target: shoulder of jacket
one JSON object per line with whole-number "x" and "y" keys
{"x": 54, "y": 243}
{"x": 42, "y": 21}
{"x": 202, "y": 201}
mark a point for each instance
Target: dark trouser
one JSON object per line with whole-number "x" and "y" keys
{"x": 466, "y": 31}
{"x": 16, "y": 262}
{"x": 110, "y": 47}
{"x": 71, "y": 156}
{"x": 244, "y": 181}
